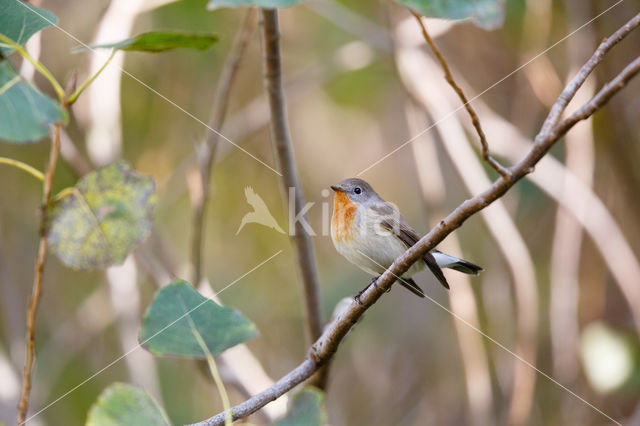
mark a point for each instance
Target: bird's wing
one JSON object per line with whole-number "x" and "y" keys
{"x": 411, "y": 285}
{"x": 395, "y": 223}
{"x": 254, "y": 200}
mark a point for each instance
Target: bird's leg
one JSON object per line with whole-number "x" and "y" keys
{"x": 372, "y": 282}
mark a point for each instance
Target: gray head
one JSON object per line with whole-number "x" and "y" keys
{"x": 357, "y": 190}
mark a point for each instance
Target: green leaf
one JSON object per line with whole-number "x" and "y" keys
{"x": 19, "y": 21}
{"x": 99, "y": 222}
{"x": 487, "y": 14}
{"x": 25, "y": 112}
{"x": 155, "y": 42}
{"x": 178, "y": 313}
{"x": 123, "y": 404}
{"x": 306, "y": 408}
{"x": 268, "y": 4}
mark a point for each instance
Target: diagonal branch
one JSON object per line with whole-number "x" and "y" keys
{"x": 572, "y": 88}
{"x": 324, "y": 348}
{"x": 290, "y": 181}
{"x": 502, "y": 171}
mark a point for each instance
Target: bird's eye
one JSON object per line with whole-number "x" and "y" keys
{"x": 357, "y": 190}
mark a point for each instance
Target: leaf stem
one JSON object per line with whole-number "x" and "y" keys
{"x": 74, "y": 96}
{"x": 226, "y": 404}
{"x": 36, "y": 64}
{"x": 23, "y": 166}
{"x": 41, "y": 256}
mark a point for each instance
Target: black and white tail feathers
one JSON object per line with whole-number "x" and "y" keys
{"x": 442, "y": 260}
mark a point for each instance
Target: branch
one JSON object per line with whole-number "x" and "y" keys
{"x": 502, "y": 171}
{"x": 570, "y": 90}
{"x": 290, "y": 180}
{"x": 324, "y": 348}
{"x": 41, "y": 256}
{"x": 206, "y": 156}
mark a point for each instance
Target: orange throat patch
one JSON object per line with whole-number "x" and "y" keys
{"x": 344, "y": 215}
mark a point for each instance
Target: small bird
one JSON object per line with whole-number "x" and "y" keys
{"x": 371, "y": 234}
{"x": 260, "y": 213}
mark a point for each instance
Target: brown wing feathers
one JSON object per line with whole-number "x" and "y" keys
{"x": 409, "y": 237}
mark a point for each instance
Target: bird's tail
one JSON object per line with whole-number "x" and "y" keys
{"x": 447, "y": 261}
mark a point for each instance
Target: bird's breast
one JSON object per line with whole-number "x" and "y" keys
{"x": 343, "y": 219}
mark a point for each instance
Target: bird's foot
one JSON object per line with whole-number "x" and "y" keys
{"x": 374, "y": 281}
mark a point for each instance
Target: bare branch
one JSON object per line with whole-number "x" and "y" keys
{"x": 324, "y": 348}
{"x": 570, "y": 90}
{"x": 41, "y": 256}
{"x": 284, "y": 151}
{"x": 504, "y": 172}
{"x": 206, "y": 156}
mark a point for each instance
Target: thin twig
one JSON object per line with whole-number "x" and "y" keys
{"x": 324, "y": 348}
{"x": 41, "y": 256}
{"x": 570, "y": 90}
{"x": 503, "y": 171}
{"x": 206, "y": 156}
{"x": 290, "y": 180}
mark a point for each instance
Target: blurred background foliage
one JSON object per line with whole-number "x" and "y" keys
{"x": 402, "y": 364}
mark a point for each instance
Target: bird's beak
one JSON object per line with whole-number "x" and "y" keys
{"x": 336, "y": 188}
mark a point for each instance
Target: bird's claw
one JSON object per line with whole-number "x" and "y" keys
{"x": 357, "y": 296}
{"x": 374, "y": 281}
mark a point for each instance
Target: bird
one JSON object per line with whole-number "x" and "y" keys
{"x": 371, "y": 233}
{"x": 260, "y": 213}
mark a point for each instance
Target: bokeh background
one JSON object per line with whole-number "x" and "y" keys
{"x": 560, "y": 250}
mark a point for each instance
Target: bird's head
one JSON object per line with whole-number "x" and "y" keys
{"x": 358, "y": 191}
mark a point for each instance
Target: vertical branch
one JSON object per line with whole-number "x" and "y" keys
{"x": 290, "y": 181}
{"x": 41, "y": 256}
{"x": 206, "y": 156}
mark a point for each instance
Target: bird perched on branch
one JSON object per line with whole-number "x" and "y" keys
{"x": 371, "y": 234}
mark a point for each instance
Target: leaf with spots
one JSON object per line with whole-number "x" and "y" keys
{"x": 180, "y": 319}
{"x": 306, "y": 408}
{"x": 487, "y": 14}
{"x": 20, "y": 20}
{"x": 25, "y": 112}
{"x": 123, "y": 404}
{"x": 100, "y": 221}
